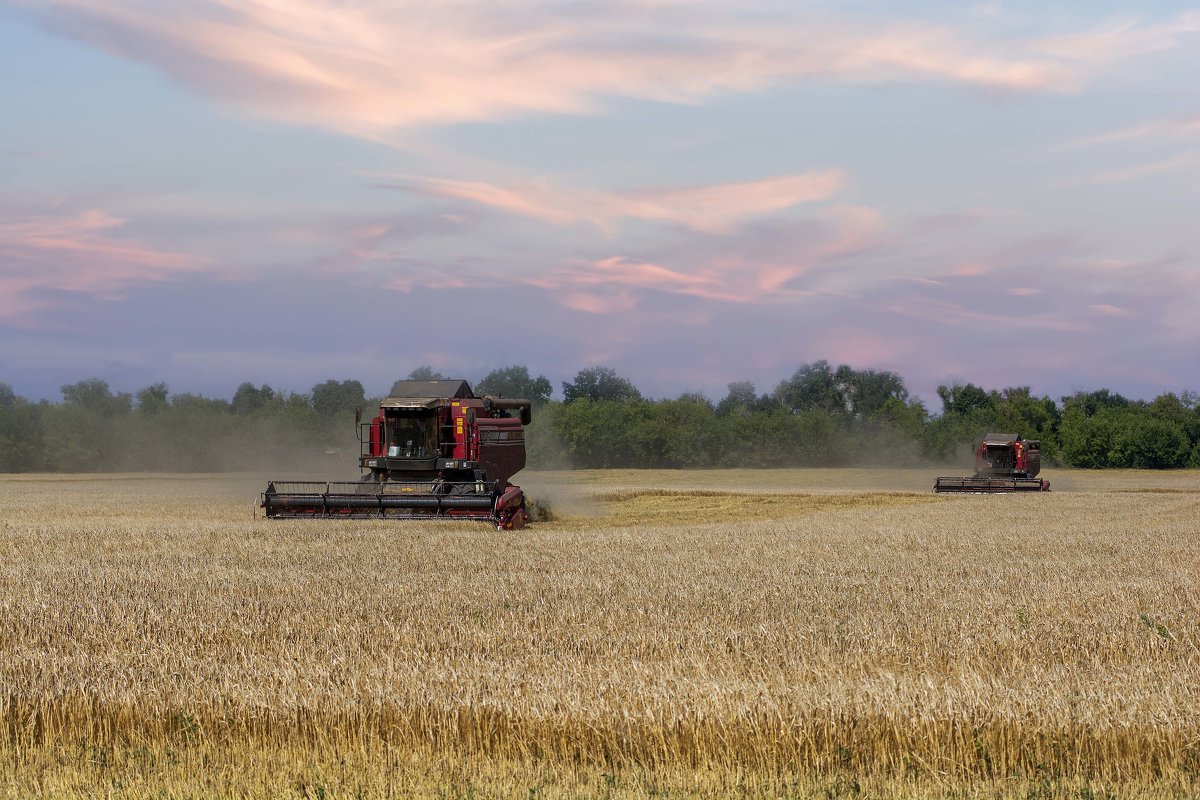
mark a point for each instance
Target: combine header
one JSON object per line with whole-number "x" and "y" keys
{"x": 436, "y": 451}
{"x": 1004, "y": 462}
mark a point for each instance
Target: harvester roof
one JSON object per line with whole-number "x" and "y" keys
{"x": 453, "y": 389}
{"x": 1000, "y": 438}
{"x": 425, "y": 394}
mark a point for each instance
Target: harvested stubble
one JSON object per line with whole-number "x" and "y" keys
{"x": 154, "y": 637}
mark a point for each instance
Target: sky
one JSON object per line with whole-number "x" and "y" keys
{"x": 206, "y": 192}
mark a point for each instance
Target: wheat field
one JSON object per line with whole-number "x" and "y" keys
{"x": 774, "y": 633}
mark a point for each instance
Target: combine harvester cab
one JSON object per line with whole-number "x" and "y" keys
{"x": 435, "y": 451}
{"x": 1004, "y": 462}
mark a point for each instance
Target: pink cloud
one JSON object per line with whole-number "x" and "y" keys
{"x": 75, "y": 254}
{"x": 612, "y": 282}
{"x": 619, "y": 282}
{"x": 372, "y": 68}
{"x": 1169, "y": 128}
{"x": 537, "y": 201}
{"x": 772, "y": 264}
{"x": 713, "y": 208}
{"x": 926, "y": 51}
{"x": 641, "y": 273}
{"x": 1023, "y": 291}
{"x": 1104, "y": 309}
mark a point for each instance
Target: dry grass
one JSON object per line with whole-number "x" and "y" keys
{"x": 833, "y": 637}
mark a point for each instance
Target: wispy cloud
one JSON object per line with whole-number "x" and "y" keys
{"x": 1121, "y": 38}
{"x": 1108, "y": 310}
{"x": 371, "y": 68}
{"x": 713, "y": 208}
{"x": 1151, "y": 134}
{"x": 79, "y": 252}
{"x": 716, "y": 247}
{"x": 626, "y": 277}
{"x": 1170, "y": 164}
{"x": 957, "y": 314}
{"x": 1168, "y": 128}
{"x": 728, "y": 274}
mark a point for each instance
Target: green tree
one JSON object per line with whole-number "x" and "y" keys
{"x": 22, "y": 436}
{"x": 813, "y": 386}
{"x": 1087, "y": 440}
{"x": 1122, "y": 437}
{"x": 331, "y": 398}
{"x": 866, "y": 391}
{"x": 94, "y": 395}
{"x": 248, "y": 399}
{"x": 515, "y": 381}
{"x": 1179, "y": 410}
{"x": 674, "y": 434}
{"x": 907, "y": 417}
{"x": 962, "y": 399}
{"x": 696, "y": 398}
{"x": 1018, "y": 411}
{"x": 188, "y": 403}
{"x": 968, "y": 412}
{"x": 152, "y": 399}
{"x": 1144, "y": 442}
{"x": 596, "y": 434}
{"x": 599, "y": 384}
{"x": 742, "y": 399}
{"x": 425, "y": 373}
{"x": 1090, "y": 403}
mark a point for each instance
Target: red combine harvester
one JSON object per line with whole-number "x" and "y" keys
{"x": 1004, "y": 462}
{"x": 436, "y": 451}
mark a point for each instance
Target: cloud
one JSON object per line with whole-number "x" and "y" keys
{"x": 768, "y": 261}
{"x": 1063, "y": 300}
{"x": 765, "y": 265}
{"x": 958, "y": 314}
{"x": 1151, "y": 133}
{"x": 1170, "y": 164}
{"x": 620, "y": 283}
{"x": 1121, "y": 38}
{"x": 80, "y": 253}
{"x": 1167, "y": 128}
{"x": 714, "y": 208}
{"x": 373, "y": 68}
{"x": 621, "y": 277}
{"x": 854, "y": 228}
{"x": 599, "y": 303}
{"x": 1106, "y": 310}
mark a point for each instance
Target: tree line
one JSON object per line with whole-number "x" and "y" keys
{"x": 821, "y": 415}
